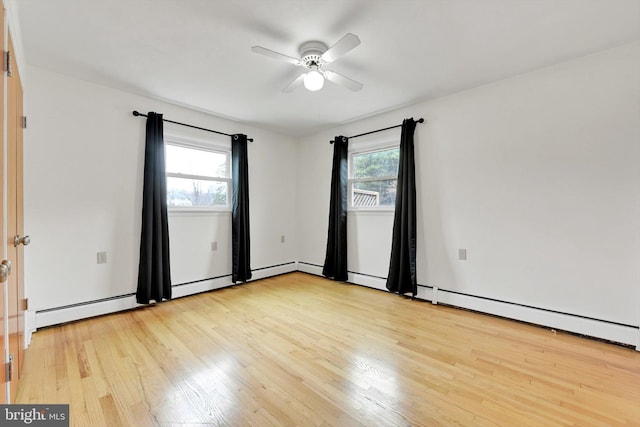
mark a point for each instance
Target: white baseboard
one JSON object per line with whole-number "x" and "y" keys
{"x": 369, "y": 281}
{"x": 263, "y": 273}
{"x": 310, "y": 268}
{"x": 576, "y": 324}
{"x": 29, "y": 326}
{"x": 358, "y": 279}
{"x": 40, "y": 319}
{"x": 566, "y": 322}
{"x": 83, "y": 311}
{"x": 202, "y": 286}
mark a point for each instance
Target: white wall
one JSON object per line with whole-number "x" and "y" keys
{"x": 83, "y": 183}
{"x": 536, "y": 176}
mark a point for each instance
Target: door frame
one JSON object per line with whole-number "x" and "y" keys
{"x": 4, "y": 394}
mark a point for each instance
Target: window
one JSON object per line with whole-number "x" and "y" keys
{"x": 197, "y": 176}
{"x": 373, "y": 176}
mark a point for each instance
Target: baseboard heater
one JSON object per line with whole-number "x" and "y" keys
{"x": 587, "y": 326}
{"x": 84, "y": 310}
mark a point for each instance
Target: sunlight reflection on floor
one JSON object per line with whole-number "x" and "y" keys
{"x": 207, "y": 395}
{"x": 374, "y": 391}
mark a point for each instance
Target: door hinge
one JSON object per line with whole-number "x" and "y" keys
{"x": 7, "y": 63}
{"x": 8, "y": 369}
{"x": 24, "y": 122}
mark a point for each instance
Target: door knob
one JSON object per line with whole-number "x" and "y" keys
{"x": 5, "y": 270}
{"x": 25, "y": 240}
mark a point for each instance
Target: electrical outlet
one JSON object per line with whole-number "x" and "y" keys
{"x": 214, "y": 246}
{"x": 462, "y": 254}
{"x": 282, "y": 239}
{"x": 101, "y": 257}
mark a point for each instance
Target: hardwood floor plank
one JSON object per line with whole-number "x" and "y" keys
{"x": 301, "y": 350}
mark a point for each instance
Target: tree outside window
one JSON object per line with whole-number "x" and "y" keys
{"x": 373, "y": 178}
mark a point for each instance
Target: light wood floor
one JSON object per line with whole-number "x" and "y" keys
{"x": 299, "y": 350}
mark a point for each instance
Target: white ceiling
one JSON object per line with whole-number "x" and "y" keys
{"x": 197, "y": 52}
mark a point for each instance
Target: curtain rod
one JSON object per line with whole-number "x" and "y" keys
{"x": 135, "y": 113}
{"x": 420, "y": 120}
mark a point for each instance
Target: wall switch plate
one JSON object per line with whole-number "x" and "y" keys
{"x": 214, "y": 246}
{"x": 462, "y": 254}
{"x": 101, "y": 257}
{"x": 282, "y": 239}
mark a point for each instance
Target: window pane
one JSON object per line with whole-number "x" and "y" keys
{"x": 376, "y": 163}
{"x": 192, "y": 192}
{"x": 374, "y": 193}
{"x": 192, "y": 161}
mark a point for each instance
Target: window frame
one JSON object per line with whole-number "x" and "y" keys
{"x": 194, "y": 144}
{"x": 365, "y": 149}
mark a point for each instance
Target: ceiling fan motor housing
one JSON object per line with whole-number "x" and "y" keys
{"x": 311, "y": 52}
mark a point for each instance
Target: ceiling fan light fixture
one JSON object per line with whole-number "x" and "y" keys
{"x": 313, "y": 56}
{"x": 313, "y": 80}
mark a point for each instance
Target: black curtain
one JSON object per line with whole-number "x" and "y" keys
{"x": 154, "y": 276}
{"x": 402, "y": 267}
{"x": 335, "y": 263}
{"x": 241, "y": 248}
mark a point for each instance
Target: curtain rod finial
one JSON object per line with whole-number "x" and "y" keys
{"x": 135, "y": 113}
{"x": 420, "y": 120}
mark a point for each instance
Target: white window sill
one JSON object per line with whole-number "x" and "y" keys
{"x": 372, "y": 211}
{"x": 198, "y": 211}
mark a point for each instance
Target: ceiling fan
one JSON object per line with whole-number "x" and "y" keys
{"x": 314, "y": 55}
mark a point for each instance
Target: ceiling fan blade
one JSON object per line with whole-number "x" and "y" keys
{"x": 275, "y": 55}
{"x": 343, "y": 46}
{"x": 341, "y": 80}
{"x": 294, "y": 84}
